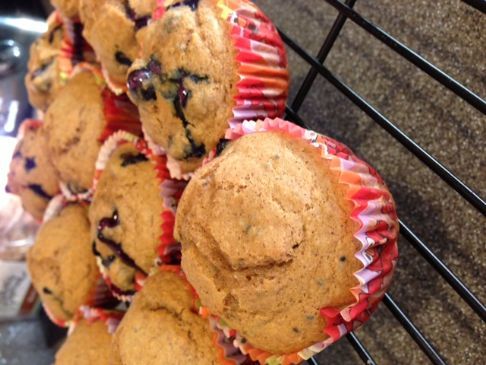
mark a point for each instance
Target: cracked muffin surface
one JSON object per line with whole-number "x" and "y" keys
{"x": 163, "y": 322}
{"x": 184, "y": 82}
{"x": 125, "y": 215}
{"x": 111, "y": 28}
{"x": 89, "y": 343}
{"x": 73, "y": 124}
{"x": 32, "y": 176}
{"x": 61, "y": 264}
{"x": 266, "y": 266}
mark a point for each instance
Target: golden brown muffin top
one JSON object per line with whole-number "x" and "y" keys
{"x": 128, "y": 196}
{"x": 184, "y": 82}
{"x": 61, "y": 264}
{"x": 281, "y": 247}
{"x": 31, "y": 174}
{"x": 162, "y": 321}
{"x": 74, "y": 123}
{"x": 88, "y": 344}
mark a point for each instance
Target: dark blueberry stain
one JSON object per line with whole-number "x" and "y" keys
{"x": 106, "y": 262}
{"x": 139, "y": 21}
{"x": 155, "y": 67}
{"x": 180, "y": 102}
{"x": 193, "y": 4}
{"x": 222, "y": 144}
{"x": 139, "y": 83}
{"x": 7, "y": 189}
{"x": 112, "y": 222}
{"x": 122, "y": 58}
{"x": 47, "y": 291}
{"x": 295, "y": 329}
{"x": 78, "y": 43}
{"x": 38, "y": 190}
{"x": 131, "y": 159}
{"x": 29, "y": 163}
{"x": 53, "y": 33}
{"x": 342, "y": 258}
{"x": 40, "y": 70}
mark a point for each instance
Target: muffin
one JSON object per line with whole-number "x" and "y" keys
{"x": 111, "y": 27}
{"x": 304, "y": 243}
{"x": 89, "y": 343}
{"x": 68, "y": 8}
{"x": 43, "y": 79}
{"x": 164, "y": 322}
{"x": 62, "y": 266}
{"x": 76, "y": 124}
{"x": 131, "y": 213}
{"x": 202, "y": 65}
{"x": 32, "y": 176}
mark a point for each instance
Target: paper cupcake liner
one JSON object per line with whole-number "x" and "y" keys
{"x": 263, "y": 84}
{"x": 101, "y": 294}
{"x": 374, "y": 210}
{"x": 228, "y": 354}
{"x": 74, "y": 48}
{"x": 120, "y": 115}
{"x": 168, "y": 251}
{"x": 111, "y": 318}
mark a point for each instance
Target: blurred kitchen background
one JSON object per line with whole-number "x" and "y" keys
{"x": 450, "y": 34}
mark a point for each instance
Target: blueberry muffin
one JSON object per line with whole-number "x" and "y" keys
{"x": 89, "y": 343}
{"x": 163, "y": 322}
{"x": 32, "y": 176}
{"x": 61, "y": 264}
{"x": 43, "y": 78}
{"x": 73, "y": 124}
{"x": 284, "y": 246}
{"x": 194, "y": 75}
{"x": 68, "y": 8}
{"x": 126, "y": 217}
{"x": 111, "y": 27}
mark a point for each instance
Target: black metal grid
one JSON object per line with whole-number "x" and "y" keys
{"x": 345, "y": 12}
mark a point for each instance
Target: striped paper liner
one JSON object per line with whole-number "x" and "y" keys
{"x": 374, "y": 210}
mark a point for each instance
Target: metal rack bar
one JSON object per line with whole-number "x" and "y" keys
{"x": 465, "y": 191}
{"x": 478, "y": 4}
{"x": 413, "y": 331}
{"x": 321, "y": 56}
{"x": 444, "y": 271}
{"x": 412, "y": 56}
{"x": 360, "y": 349}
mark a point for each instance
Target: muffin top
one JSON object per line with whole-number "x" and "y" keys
{"x": 110, "y": 26}
{"x": 61, "y": 264}
{"x": 31, "y": 174}
{"x": 184, "y": 83}
{"x": 163, "y": 322}
{"x": 282, "y": 246}
{"x": 125, "y": 215}
{"x": 89, "y": 343}
{"x": 73, "y": 124}
{"x": 68, "y": 8}
{"x": 43, "y": 76}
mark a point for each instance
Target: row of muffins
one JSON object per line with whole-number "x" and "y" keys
{"x": 288, "y": 240}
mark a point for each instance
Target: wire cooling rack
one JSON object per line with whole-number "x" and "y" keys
{"x": 347, "y": 13}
